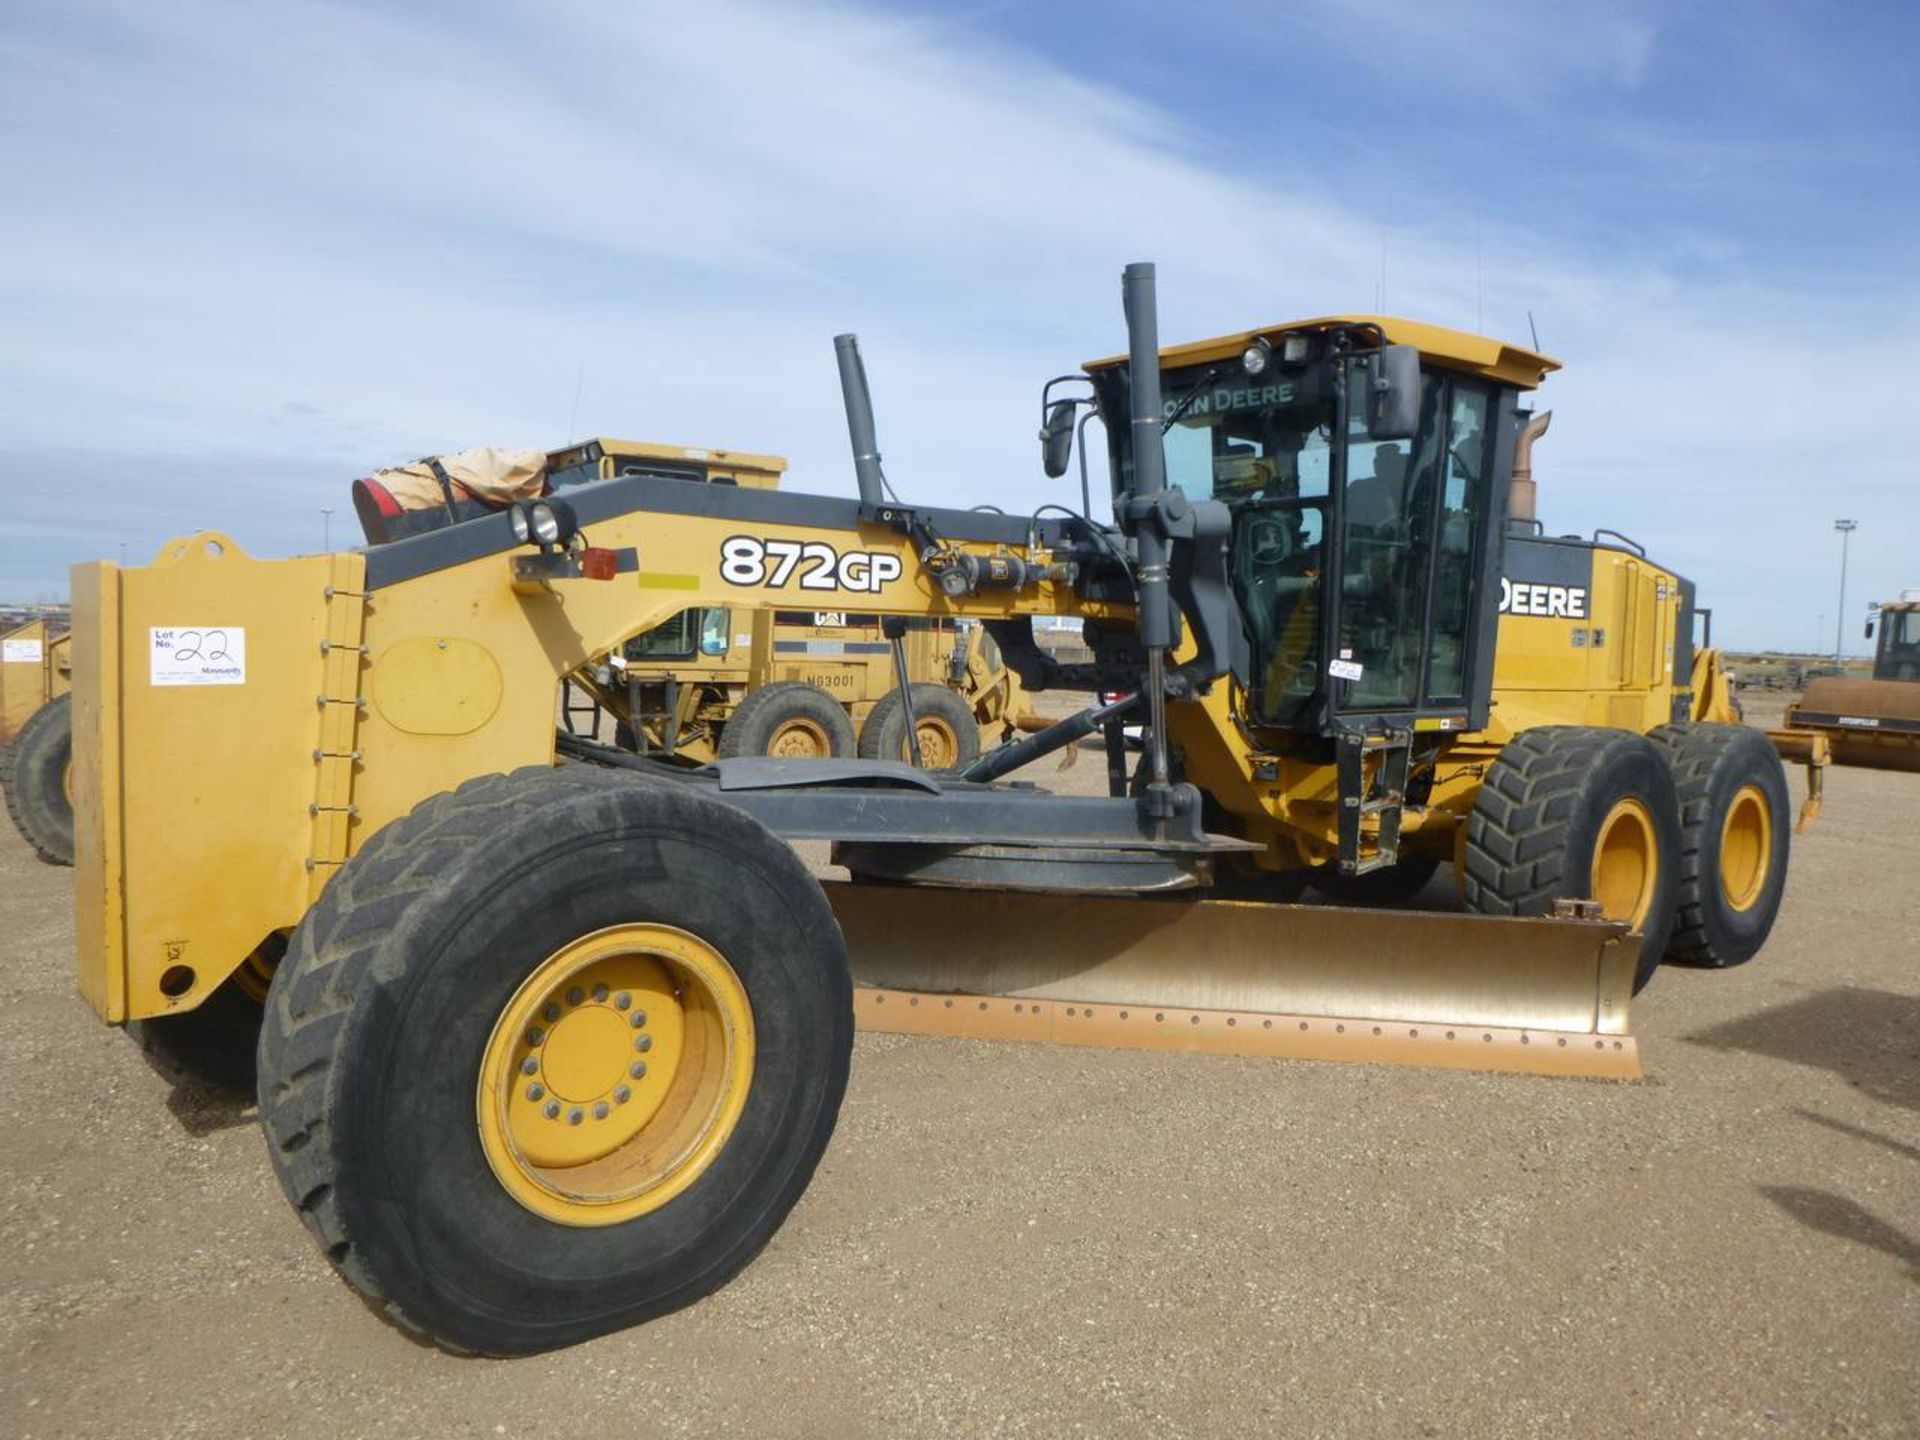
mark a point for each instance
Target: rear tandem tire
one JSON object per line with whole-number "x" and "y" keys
{"x": 789, "y": 719}
{"x": 1735, "y": 815}
{"x": 1549, "y": 801}
{"x": 949, "y": 733}
{"x": 37, "y": 790}
{"x": 390, "y": 1049}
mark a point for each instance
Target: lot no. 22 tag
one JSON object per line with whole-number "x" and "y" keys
{"x": 198, "y": 655}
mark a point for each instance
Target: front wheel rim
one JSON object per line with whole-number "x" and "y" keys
{"x": 1626, "y": 863}
{"x": 1746, "y": 848}
{"x": 616, "y": 1074}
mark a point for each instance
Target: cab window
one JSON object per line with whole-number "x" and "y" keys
{"x": 669, "y": 640}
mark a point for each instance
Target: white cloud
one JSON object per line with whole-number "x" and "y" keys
{"x": 225, "y": 212}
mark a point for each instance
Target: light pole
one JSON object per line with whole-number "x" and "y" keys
{"x": 326, "y": 530}
{"x": 1846, "y": 529}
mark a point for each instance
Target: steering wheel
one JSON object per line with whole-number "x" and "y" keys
{"x": 1269, "y": 541}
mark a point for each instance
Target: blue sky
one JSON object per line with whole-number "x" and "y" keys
{"x": 252, "y": 251}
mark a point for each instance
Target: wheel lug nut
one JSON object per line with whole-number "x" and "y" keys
{"x": 535, "y": 1091}
{"x": 552, "y": 1012}
{"x": 643, "y": 1043}
{"x": 622, "y": 1093}
{"x": 600, "y": 992}
{"x": 576, "y": 995}
{"x": 536, "y": 1036}
{"x": 576, "y": 1115}
{"x": 622, "y": 1000}
{"x": 639, "y": 1019}
{"x": 637, "y": 1069}
{"x": 529, "y": 1066}
{"x": 600, "y": 1111}
{"x": 552, "y": 1112}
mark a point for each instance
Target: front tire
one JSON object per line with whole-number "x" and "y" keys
{"x": 1575, "y": 812}
{"x": 1735, "y": 815}
{"x": 477, "y": 951}
{"x": 40, "y": 789}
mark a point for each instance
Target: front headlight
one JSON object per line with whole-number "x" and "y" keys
{"x": 517, "y": 520}
{"x": 1256, "y": 357}
{"x": 546, "y": 525}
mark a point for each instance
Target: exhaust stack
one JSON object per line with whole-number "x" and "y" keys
{"x": 859, "y": 403}
{"x": 1521, "y": 493}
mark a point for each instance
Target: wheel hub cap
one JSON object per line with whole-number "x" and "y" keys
{"x": 615, "y": 1074}
{"x": 1746, "y": 848}
{"x": 1625, "y": 863}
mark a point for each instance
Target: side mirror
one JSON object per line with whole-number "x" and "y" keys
{"x": 1056, "y": 439}
{"x": 1869, "y": 628}
{"x": 1393, "y": 398}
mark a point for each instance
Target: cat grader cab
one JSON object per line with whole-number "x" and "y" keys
{"x": 1874, "y": 722}
{"x": 36, "y": 751}
{"x": 555, "y": 1033}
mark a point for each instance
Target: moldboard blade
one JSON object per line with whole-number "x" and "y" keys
{"x": 1543, "y": 996}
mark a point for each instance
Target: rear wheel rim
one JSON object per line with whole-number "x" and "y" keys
{"x": 1746, "y": 848}
{"x": 939, "y": 746}
{"x": 800, "y": 739}
{"x": 615, "y": 1074}
{"x": 1626, "y": 863}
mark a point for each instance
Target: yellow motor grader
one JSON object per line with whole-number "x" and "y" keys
{"x": 556, "y": 1033}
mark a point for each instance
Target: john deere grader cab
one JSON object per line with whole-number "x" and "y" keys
{"x": 555, "y": 1033}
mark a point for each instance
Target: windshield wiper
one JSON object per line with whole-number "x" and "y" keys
{"x": 1191, "y": 394}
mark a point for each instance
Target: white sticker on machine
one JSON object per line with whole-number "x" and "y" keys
{"x": 20, "y": 652}
{"x": 1346, "y": 669}
{"x": 198, "y": 655}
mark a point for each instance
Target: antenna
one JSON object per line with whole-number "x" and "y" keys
{"x": 1534, "y": 331}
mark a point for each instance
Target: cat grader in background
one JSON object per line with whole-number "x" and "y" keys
{"x": 555, "y": 1033}
{"x": 710, "y": 684}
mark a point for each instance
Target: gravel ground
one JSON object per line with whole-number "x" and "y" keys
{"x": 1012, "y": 1240}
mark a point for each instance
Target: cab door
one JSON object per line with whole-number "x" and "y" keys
{"x": 1414, "y": 521}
